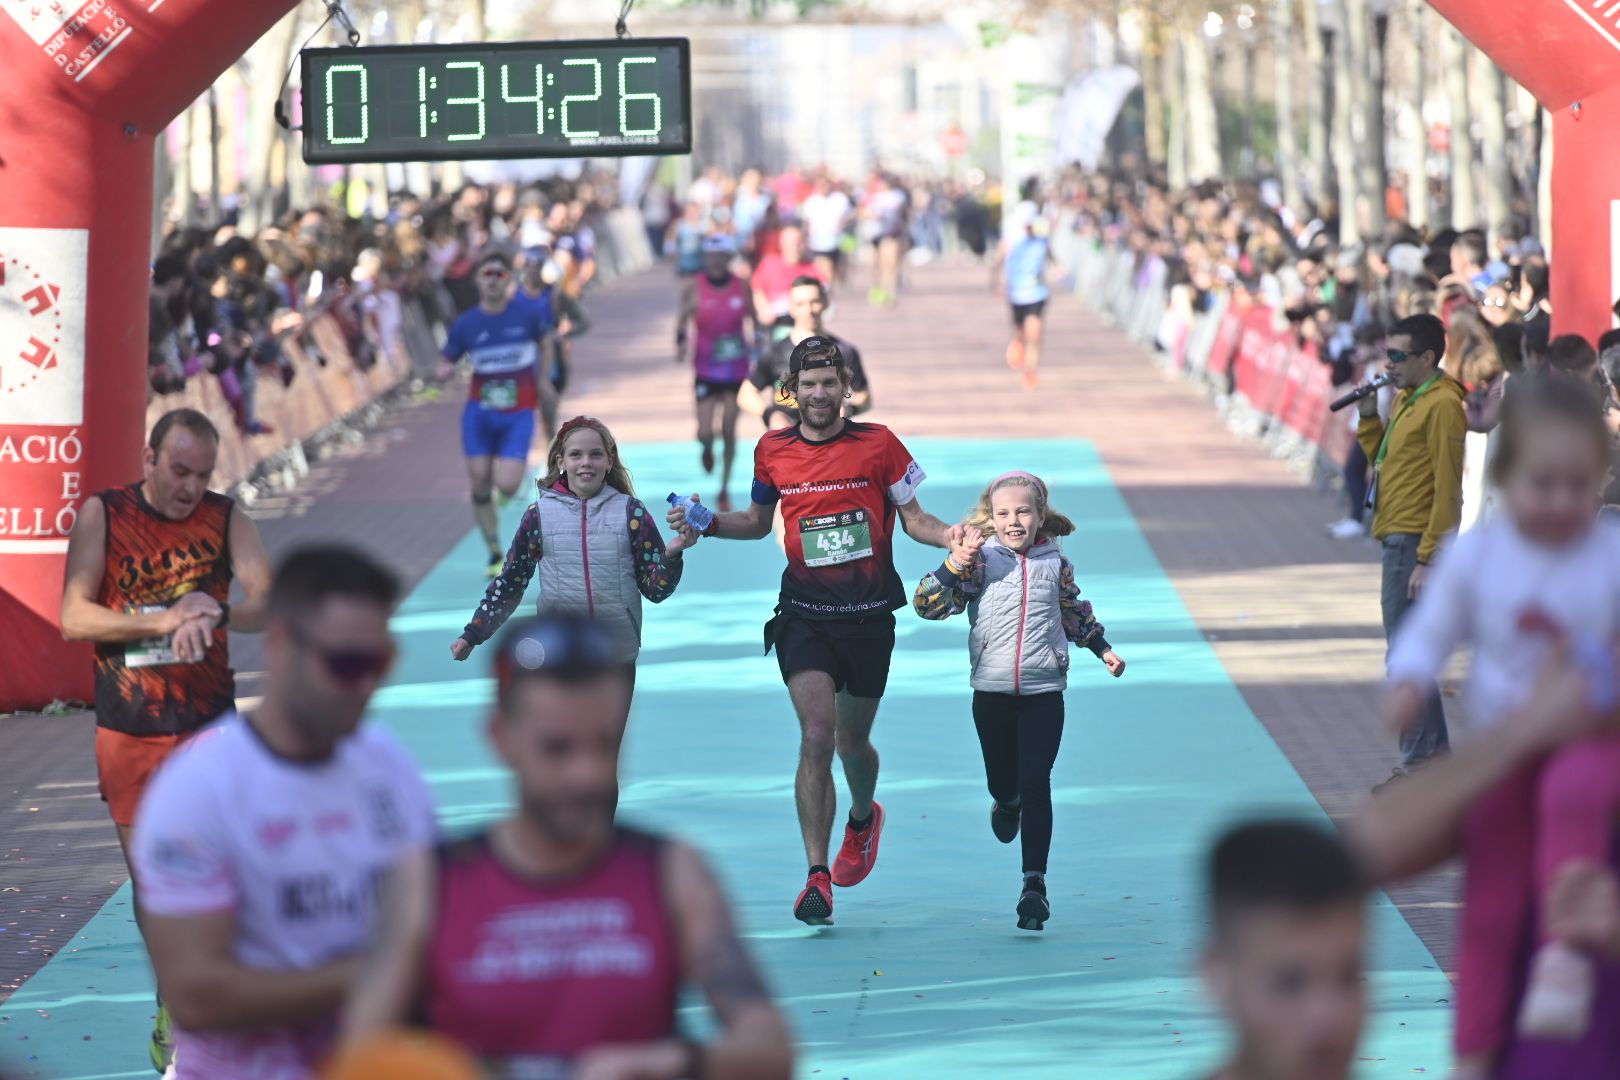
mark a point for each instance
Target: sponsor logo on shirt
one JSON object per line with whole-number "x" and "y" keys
{"x": 321, "y": 896}
{"x": 382, "y": 811}
{"x": 574, "y": 939}
{"x": 273, "y": 834}
{"x": 852, "y": 483}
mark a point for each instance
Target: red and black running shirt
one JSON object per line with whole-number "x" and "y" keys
{"x": 838, "y": 508}
{"x": 152, "y": 561}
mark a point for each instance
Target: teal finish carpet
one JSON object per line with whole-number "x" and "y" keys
{"x": 925, "y": 973}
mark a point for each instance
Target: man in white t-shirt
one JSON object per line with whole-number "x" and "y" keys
{"x": 259, "y": 848}
{"x": 826, "y": 215}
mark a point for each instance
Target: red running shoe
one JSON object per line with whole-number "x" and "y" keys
{"x": 859, "y": 853}
{"x": 814, "y": 905}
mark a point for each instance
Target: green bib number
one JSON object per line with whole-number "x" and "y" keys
{"x": 833, "y": 539}
{"x": 498, "y": 394}
{"x": 729, "y": 347}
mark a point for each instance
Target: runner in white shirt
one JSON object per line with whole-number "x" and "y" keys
{"x": 826, "y": 214}
{"x": 259, "y": 848}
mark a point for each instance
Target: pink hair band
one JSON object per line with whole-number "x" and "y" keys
{"x": 1031, "y": 477}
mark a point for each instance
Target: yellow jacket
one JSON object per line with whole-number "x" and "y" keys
{"x": 1420, "y": 483}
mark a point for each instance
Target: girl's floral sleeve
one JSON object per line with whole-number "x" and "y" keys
{"x": 656, "y": 574}
{"x": 1080, "y": 623}
{"x": 944, "y": 592}
{"x": 505, "y": 593}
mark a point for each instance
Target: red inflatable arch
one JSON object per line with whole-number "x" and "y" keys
{"x": 1567, "y": 53}
{"x": 90, "y": 85}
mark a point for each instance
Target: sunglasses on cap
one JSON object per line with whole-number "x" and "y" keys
{"x": 344, "y": 664}
{"x": 571, "y": 648}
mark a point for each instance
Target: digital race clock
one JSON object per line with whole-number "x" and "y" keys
{"x": 512, "y": 100}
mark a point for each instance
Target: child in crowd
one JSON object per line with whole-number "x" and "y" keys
{"x": 596, "y": 546}
{"x": 1019, "y": 592}
{"x": 1285, "y": 960}
{"x": 1545, "y": 570}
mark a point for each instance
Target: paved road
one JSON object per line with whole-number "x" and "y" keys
{"x": 1291, "y": 615}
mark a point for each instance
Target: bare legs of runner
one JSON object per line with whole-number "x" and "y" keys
{"x": 487, "y": 476}
{"x": 831, "y": 723}
{"x": 728, "y": 411}
{"x": 1033, "y": 330}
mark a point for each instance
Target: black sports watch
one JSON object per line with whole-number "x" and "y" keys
{"x": 224, "y": 616}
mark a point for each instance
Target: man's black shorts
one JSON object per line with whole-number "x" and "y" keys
{"x": 1020, "y": 312}
{"x": 855, "y": 653}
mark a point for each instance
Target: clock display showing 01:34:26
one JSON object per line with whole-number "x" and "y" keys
{"x": 348, "y": 113}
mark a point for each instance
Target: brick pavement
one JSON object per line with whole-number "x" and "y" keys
{"x": 1292, "y": 615}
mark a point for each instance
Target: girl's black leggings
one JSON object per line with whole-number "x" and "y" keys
{"x": 1020, "y": 737}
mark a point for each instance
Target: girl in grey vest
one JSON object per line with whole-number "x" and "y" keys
{"x": 597, "y": 548}
{"x": 1019, "y": 592}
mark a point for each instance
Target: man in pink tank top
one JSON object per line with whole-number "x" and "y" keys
{"x": 555, "y": 943}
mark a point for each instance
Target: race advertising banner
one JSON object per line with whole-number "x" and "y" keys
{"x": 42, "y": 305}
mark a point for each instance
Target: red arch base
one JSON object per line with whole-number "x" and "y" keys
{"x": 89, "y": 86}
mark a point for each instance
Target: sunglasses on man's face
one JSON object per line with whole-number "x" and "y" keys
{"x": 1398, "y": 356}
{"x": 347, "y": 665}
{"x": 492, "y": 274}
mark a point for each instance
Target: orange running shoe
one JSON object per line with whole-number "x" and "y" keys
{"x": 859, "y": 853}
{"x": 814, "y": 905}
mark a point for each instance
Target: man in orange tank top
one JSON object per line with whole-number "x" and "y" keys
{"x": 149, "y": 571}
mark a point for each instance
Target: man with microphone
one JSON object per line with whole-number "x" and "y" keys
{"x": 1416, "y": 491}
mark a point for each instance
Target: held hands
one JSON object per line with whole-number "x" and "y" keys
{"x": 684, "y": 540}
{"x": 1111, "y": 660}
{"x": 965, "y": 543}
{"x": 461, "y": 648}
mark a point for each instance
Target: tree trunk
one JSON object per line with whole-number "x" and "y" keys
{"x": 1175, "y": 99}
{"x": 214, "y": 214}
{"x": 1544, "y": 205}
{"x": 1344, "y": 124}
{"x": 185, "y": 188}
{"x": 1320, "y": 83}
{"x": 1203, "y": 126}
{"x": 267, "y": 66}
{"x": 1417, "y": 147}
{"x": 1464, "y": 199}
{"x": 162, "y": 186}
{"x": 1497, "y": 176}
{"x": 1153, "y": 95}
{"x": 1283, "y": 37}
{"x": 1367, "y": 66}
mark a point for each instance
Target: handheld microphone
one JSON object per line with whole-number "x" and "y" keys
{"x": 1362, "y": 391}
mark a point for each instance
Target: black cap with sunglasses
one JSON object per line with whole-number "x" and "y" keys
{"x": 568, "y": 647}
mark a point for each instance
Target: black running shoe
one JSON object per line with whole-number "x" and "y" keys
{"x": 1004, "y": 822}
{"x": 1033, "y": 910}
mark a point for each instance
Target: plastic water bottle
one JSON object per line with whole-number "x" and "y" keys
{"x": 698, "y": 516}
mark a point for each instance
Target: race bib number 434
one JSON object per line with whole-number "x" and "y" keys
{"x": 832, "y": 539}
